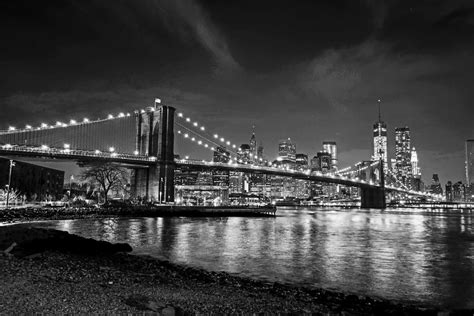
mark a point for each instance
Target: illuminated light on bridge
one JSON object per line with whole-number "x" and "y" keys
{"x": 28, "y": 127}
{"x": 202, "y": 128}
{"x": 180, "y": 114}
{"x": 111, "y": 149}
{"x": 97, "y": 152}
{"x": 216, "y": 136}
{"x": 188, "y": 119}
{"x": 44, "y": 147}
{"x": 11, "y": 128}
{"x": 72, "y": 122}
{"x": 195, "y": 124}
{"x": 136, "y": 152}
{"x": 110, "y": 116}
{"x": 121, "y": 114}
{"x": 44, "y": 125}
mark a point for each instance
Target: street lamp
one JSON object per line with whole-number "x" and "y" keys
{"x": 12, "y": 164}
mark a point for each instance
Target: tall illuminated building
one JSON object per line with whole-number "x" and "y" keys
{"x": 253, "y": 146}
{"x": 380, "y": 140}
{"x": 260, "y": 152}
{"x": 301, "y": 161}
{"x": 416, "y": 170}
{"x": 403, "y": 154}
{"x": 244, "y": 154}
{"x": 287, "y": 150}
{"x": 470, "y": 162}
{"x": 331, "y": 148}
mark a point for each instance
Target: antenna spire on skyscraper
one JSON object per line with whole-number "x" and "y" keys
{"x": 380, "y": 116}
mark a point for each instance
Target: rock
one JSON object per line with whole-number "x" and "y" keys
{"x": 32, "y": 256}
{"x": 168, "y": 311}
{"x": 144, "y": 303}
{"x": 13, "y": 245}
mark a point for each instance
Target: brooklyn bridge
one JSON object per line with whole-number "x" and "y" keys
{"x": 144, "y": 141}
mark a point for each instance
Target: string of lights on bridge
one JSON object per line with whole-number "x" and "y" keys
{"x": 216, "y": 138}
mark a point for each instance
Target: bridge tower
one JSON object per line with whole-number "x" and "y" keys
{"x": 374, "y": 197}
{"x": 155, "y": 137}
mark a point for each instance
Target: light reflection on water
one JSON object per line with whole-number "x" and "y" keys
{"x": 402, "y": 255}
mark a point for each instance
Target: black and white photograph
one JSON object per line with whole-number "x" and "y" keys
{"x": 237, "y": 157}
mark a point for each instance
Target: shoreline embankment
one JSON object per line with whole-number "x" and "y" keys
{"x": 50, "y": 271}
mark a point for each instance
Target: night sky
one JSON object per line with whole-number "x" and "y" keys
{"x": 309, "y": 70}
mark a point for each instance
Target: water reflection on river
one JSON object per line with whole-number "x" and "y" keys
{"x": 396, "y": 254}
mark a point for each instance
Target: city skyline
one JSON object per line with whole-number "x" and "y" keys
{"x": 329, "y": 80}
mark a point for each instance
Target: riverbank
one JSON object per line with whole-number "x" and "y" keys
{"x": 48, "y": 271}
{"x": 54, "y": 213}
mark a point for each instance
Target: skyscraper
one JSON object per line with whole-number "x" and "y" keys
{"x": 301, "y": 161}
{"x": 380, "y": 140}
{"x": 244, "y": 153}
{"x": 253, "y": 146}
{"x": 416, "y": 170}
{"x": 436, "y": 185}
{"x": 287, "y": 150}
{"x": 331, "y": 148}
{"x": 260, "y": 152}
{"x": 470, "y": 162}
{"x": 403, "y": 154}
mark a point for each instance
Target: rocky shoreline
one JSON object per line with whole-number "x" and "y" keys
{"x": 28, "y": 214}
{"x": 48, "y": 271}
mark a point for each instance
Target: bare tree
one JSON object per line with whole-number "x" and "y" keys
{"x": 106, "y": 175}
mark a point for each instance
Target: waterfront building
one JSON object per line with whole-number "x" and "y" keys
{"x": 331, "y": 148}
{"x": 449, "y": 192}
{"x": 301, "y": 162}
{"x": 260, "y": 185}
{"x": 321, "y": 162}
{"x": 236, "y": 182}
{"x": 207, "y": 195}
{"x": 435, "y": 186}
{"x": 403, "y": 166}
{"x": 459, "y": 192}
{"x": 221, "y": 178}
{"x": 32, "y": 181}
{"x": 287, "y": 150}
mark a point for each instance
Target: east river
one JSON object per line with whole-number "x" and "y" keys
{"x": 402, "y": 255}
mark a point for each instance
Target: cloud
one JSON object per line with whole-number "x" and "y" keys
{"x": 186, "y": 15}
{"x": 379, "y": 10}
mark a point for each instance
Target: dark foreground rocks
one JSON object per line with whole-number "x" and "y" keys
{"x": 50, "y": 277}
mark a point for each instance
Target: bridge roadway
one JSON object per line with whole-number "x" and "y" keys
{"x": 146, "y": 161}
{"x": 77, "y": 155}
